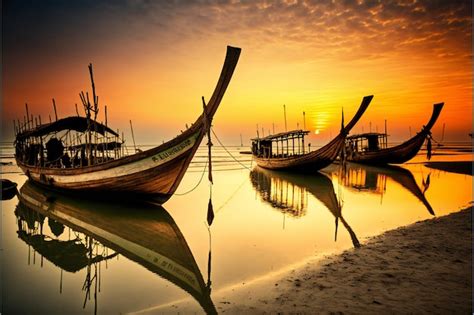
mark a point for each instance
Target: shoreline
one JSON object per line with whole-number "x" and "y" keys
{"x": 425, "y": 267}
{"x": 422, "y": 267}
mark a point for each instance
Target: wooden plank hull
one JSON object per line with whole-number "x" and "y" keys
{"x": 395, "y": 155}
{"x": 316, "y": 160}
{"x": 310, "y": 162}
{"x": 154, "y": 173}
{"x": 142, "y": 232}
{"x": 401, "y": 153}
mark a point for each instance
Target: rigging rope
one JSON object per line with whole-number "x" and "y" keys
{"x": 198, "y": 183}
{"x": 218, "y": 140}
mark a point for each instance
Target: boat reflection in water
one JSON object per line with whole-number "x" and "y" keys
{"x": 144, "y": 233}
{"x": 288, "y": 193}
{"x": 373, "y": 179}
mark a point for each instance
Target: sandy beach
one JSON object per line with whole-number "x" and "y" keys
{"x": 421, "y": 268}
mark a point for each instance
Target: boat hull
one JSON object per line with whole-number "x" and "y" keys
{"x": 401, "y": 153}
{"x": 312, "y": 161}
{"x": 319, "y": 159}
{"x": 153, "y": 174}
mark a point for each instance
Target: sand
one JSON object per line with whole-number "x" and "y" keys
{"x": 422, "y": 268}
{"x": 425, "y": 267}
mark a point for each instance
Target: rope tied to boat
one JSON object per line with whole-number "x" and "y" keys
{"x": 207, "y": 128}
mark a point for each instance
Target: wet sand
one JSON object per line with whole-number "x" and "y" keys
{"x": 422, "y": 268}
{"x": 460, "y": 167}
{"x": 425, "y": 267}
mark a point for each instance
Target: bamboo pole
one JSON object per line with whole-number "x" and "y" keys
{"x": 133, "y": 136}
{"x": 55, "y": 111}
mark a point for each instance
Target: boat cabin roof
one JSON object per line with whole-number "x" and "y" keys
{"x": 367, "y": 135}
{"x": 76, "y": 123}
{"x": 283, "y": 135}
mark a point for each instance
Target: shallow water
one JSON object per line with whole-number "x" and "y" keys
{"x": 137, "y": 257}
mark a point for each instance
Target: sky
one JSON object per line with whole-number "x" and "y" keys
{"x": 153, "y": 60}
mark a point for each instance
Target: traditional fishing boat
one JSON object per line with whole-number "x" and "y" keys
{"x": 287, "y": 192}
{"x": 373, "y": 179}
{"x": 371, "y": 148}
{"x": 82, "y": 154}
{"x": 142, "y": 232}
{"x": 274, "y": 151}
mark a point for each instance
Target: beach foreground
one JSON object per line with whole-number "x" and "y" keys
{"x": 424, "y": 267}
{"x": 421, "y": 268}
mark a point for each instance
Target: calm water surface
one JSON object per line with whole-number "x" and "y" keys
{"x": 69, "y": 255}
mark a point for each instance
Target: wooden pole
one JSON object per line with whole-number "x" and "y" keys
{"x": 27, "y": 115}
{"x": 55, "y": 112}
{"x": 284, "y": 113}
{"x": 77, "y": 111}
{"x": 304, "y": 120}
{"x": 133, "y": 136}
{"x": 302, "y": 143}
{"x": 105, "y": 108}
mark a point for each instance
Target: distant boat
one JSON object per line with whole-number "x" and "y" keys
{"x": 91, "y": 160}
{"x": 142, "y": 232}
{"x": 269, "y": 152}
{"x": 278, "y": 189}
{"x": 372, "y": 178}
{"x": 371, "y": 148}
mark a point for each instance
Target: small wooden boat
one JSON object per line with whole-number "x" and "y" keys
{"x": 371, "y": 148}
{"x": 269, "y": 152}
{"x": 8, "y": 189}
{"x": 373, "y": 178}
{"x": 99, "y": 167}
{"x": 279, "y": 188}
{"x": 142, "y": 232}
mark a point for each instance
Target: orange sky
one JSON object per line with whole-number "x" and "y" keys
{"x": 153, "y": 61}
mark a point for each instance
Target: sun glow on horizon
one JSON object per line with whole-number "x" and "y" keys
{"x": 287, "y": 58}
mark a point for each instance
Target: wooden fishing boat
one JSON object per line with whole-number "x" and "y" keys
{"x": 373, "y": 179}
{"x": 371, "y": 148}
{"x": 269, "y": 152}
{"x": 101, "y": 166}
{"x": 142, "y": 232}
{"x": 278, "y": 189}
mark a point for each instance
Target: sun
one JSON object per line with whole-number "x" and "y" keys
{"x": 316, "y": 132}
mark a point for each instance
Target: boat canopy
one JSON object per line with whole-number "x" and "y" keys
{"x": 76, "y": 123}
{"x": 366, "y": 135}
{"x": 369, "y": 141}
{"x": 283, "y": 135}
